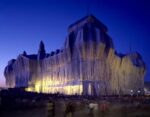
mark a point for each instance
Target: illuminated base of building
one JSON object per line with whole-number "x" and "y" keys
{"x": 68, "y": 90}
{"x": 49, "y": 86}
{"x": 85, "y": 87}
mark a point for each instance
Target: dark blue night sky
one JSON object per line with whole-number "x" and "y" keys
{"x": 23, "y": 23}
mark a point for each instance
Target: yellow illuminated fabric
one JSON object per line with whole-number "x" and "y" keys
{"x": 55, "y": 86}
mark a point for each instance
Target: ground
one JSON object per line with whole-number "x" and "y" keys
{"x": 81, "y": 109}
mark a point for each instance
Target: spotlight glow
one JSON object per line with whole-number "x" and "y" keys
{"x": 55, "y": 86}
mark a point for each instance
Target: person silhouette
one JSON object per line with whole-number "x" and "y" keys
{"x": 69, "y": 110}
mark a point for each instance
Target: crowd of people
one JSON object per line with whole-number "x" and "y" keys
{"x": 19, "y": 99}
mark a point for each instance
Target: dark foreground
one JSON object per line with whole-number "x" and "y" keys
{"x": 22, "y": 104}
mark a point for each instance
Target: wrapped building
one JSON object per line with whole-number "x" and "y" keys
{"x": 86, "y": 65}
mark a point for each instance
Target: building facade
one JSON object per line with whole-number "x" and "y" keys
{"x": 86, "y": 65}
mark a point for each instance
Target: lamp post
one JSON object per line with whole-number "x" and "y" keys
{"x": 131, "y": 93}
{"x": 138, "y": 92}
